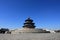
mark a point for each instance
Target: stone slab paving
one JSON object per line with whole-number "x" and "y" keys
{"x": 31, "y": 36}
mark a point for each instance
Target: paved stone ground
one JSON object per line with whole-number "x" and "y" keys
{"x": 31, "y": 36}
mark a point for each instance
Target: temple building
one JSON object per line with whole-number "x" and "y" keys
{"x": 29, "y": 27}
{"x": 29, "y": 23}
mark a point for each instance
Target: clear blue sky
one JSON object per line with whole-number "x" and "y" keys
{"x": 45, "y": 13}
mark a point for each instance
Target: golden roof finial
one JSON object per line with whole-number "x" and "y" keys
{"x": 29, "y": 17}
